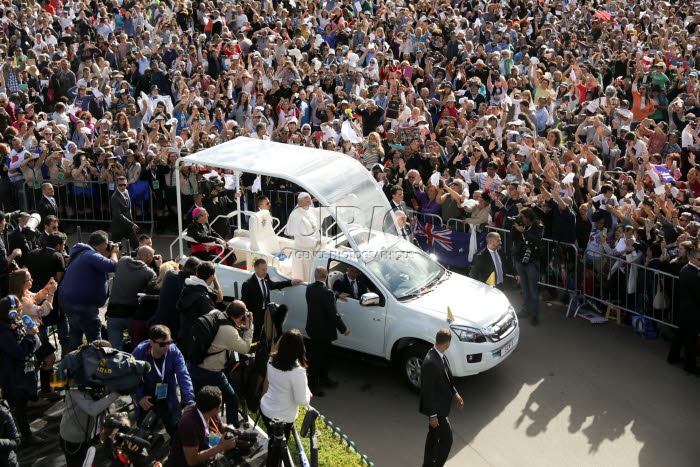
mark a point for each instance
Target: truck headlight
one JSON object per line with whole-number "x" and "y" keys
{"x": 467, "y": 334}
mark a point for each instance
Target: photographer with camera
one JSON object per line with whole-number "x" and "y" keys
{"x": 159, "y": 388}
{"x": 82, "y": 418}
{"x": 6, "y": 260}
{"x": 118, "y": 447}
{"x": 527, "y": 234}
{"x": 234, "y": 335}
{"x": 132, "y": 276}
{"x": 201, "y": 435}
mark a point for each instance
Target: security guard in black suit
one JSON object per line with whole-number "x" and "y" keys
{"x": 322, "y": 323}
{"x": 436, "y": 395}
{"x": 255, "y": 294}
{"x": 491, "y": 260}
{"x": 689, "y": 324}
{"x": 123, "y": 224}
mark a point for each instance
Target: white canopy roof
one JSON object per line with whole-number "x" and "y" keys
{"x": 337, "y": 181}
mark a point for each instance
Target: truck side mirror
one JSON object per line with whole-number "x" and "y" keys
{"x": 369, "y": 299}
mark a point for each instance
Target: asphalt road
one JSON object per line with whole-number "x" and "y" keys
{"x": 572, "y": 394}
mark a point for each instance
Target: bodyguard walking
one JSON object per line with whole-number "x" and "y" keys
{"x": 689, "y": 325}
{"x": 527, "y": 241}
{"x": 322, "y": 323}
{"x": 436, "y": 395}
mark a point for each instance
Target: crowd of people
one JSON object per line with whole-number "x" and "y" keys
{"x": 150, "y": 306}
{"x": 579, "y": 117}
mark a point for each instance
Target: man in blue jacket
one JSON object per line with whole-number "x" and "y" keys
{"x": 158, "y": 390}
{"x": 84, "y": 287}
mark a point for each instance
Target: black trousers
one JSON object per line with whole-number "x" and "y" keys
{"x": 438, "y": 444}
{"x": 319, "y": 361}
{"x": 685, "y": 338}
{"x": 75, "y": 452}
{"x": 258, "y": 324}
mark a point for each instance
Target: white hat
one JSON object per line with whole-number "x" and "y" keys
{"x": 302, "y": 195}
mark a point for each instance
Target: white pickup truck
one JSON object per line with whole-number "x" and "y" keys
{"x": 409, "y": 292}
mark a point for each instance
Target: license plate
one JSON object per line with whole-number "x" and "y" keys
{"x": 508, "y": 347}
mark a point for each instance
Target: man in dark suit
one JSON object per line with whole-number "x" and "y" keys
{"x": 22, "y": 237}
{"x": 255, "y": 294}
{"x": 489, "y": 261}
{"x": 351, "y": 284}
{"x": 123, "y": 224}
{"x": 396, "y": 202}
{"x": 689, "y": 324}
{"x": 46, "y": 206}
{"x": 322, "y": 323}
{"x": 49, "y": 225}
{"x": 436, "y": 395}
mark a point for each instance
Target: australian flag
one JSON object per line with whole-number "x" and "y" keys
{"x": 449, "y": 246}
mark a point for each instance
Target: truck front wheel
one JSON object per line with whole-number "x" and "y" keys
{"x": 411, "y": 361}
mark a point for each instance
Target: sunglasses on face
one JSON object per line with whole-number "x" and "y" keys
{"x": 164, "y": 344}
{"x": 122, "y": 184}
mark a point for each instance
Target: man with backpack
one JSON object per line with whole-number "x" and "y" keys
{"x": 215, "y": 338}
{"x": 199, "y": 296}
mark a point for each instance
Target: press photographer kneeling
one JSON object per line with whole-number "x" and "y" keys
{"x": 118, "y": 447}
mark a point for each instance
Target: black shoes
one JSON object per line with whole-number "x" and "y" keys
{"x": 534, "y": 320}
{"x": 674, "y": 360}
{"x": 693, "y": 371}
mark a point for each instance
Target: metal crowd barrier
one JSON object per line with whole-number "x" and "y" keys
{"x": 90, "y": 203}
{"x": 424, "y": 217}
{"x": 623, "y": 282}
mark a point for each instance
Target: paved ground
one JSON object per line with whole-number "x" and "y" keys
{"x": 572, "y": 394}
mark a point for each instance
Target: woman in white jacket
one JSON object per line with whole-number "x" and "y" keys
{"x": 288, "y": 386}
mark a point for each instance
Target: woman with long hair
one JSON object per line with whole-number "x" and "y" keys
{"x": 288, "y": 385}
{"x": 36, "y": 306}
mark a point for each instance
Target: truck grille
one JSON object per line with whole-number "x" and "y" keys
{"x": 501, "y": 328}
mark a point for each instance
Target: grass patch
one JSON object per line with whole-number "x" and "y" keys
{"x": 332, "y": 451}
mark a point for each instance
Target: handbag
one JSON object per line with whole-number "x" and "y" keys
{"x": 660, "y": 302}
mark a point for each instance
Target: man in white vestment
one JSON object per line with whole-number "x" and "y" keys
{"x": 303, "y": 226}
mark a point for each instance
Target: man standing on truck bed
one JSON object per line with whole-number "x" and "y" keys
{"x": 322, "y": 322}
{"x": 303, "y": 226}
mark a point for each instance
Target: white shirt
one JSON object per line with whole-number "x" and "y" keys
{"x": 286, "y": 391}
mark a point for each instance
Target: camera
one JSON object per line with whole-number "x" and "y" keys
{"x": 111, "y": 245}
{"x": 527, "y": 255}
{"x": 514, "y": 220}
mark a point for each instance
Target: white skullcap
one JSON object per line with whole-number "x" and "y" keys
{"x": 302, "y": 195}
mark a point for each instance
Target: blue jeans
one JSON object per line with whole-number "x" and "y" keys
{"x": 529, "y": 276}
{"x": 201, "y": 377}
{"x": 115, "y": 330}
{"x": 82, "y": 319}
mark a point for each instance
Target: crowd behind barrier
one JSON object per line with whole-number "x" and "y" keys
{"x": 587, "y": 112}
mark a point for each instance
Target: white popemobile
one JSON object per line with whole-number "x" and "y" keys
{"x": 409, "y": 292}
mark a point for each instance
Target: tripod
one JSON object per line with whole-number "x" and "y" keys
{"x": 277, "y": 450}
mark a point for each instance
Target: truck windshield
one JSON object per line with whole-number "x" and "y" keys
{"x": 406, "y": 273}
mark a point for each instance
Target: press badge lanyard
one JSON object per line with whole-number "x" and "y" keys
{"x": 160, "y": 373}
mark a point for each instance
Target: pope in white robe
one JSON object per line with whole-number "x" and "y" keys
{"x": 303, "y": 226}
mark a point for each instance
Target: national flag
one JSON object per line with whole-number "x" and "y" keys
{"x": 450, "y": 247}
{"x": 664, "y": 173}
{"x": 450, "y": 316}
